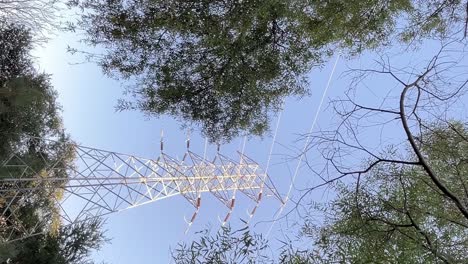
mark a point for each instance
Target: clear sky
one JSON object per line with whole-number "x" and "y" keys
{"x": 145, "y": 234}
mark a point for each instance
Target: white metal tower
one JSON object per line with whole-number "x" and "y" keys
{"x": 98, "y": 182}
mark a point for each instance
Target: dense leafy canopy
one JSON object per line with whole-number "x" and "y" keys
{"x": 27, "y": 100}
{"x": 15, "y": 45}
{"x": 225, "y": 64}
{"x": 72, "y": 245}
{"x": 29, "y": 115}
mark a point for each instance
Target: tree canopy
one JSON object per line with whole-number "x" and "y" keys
{"x": 398, "y": 215}
{"x": 71, "y": 245}
{"x": 27, "y": 100}
{"x": 225, "y": 65}
{"x": 29, "y": 115}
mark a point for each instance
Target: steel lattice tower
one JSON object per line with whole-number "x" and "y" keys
{"x": 98, "y": 182}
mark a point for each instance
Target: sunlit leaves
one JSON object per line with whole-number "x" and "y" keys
{"x": 226, "y": 65}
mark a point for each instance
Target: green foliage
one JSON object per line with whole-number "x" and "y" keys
{"x": 28, "y": 109}
{"x": 225, "y": 65}
{"x": 398, "y": 215}
{"x": 27, "y": 100}
{"x": 72, "y": 245}
{"x": 77, "y": 241}
{"x": 237, "y": 247}
{"x": 291, "y": 255}
{"x": 435, "y": 18}
{"x": 29, "y": 115}
{"x": 225, "y": 247}
{"x": 15, "y": 43}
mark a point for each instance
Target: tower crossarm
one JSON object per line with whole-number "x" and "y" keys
{"x": 86, "y": 183}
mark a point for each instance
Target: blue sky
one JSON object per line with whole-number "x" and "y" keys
{"x": 145, "y": 234}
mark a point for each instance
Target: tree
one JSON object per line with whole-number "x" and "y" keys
{"x": 36, "y": 15}
{"x": 407, "y": 203}
{"x": 72, "y": 245}
{"x": 397, "y": 215}
{"x": 225, "y": 65}
{"x": 226, "y": 246}
{"x": 29, "y": 116}
{"x": 241, "y": 246}
{"x": 15, "y": 45}
{"x": 27, "y": 100}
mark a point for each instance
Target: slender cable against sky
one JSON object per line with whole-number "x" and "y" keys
{"x": 301, "y": 156}
{"x": 251, "y": 213}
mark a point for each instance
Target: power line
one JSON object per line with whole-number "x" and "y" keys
{"x": 305, "y": 146}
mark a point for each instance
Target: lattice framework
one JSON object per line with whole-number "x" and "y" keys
{"x": 100, "y": 182}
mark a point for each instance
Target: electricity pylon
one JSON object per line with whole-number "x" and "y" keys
{"x": 83, "y": 183}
